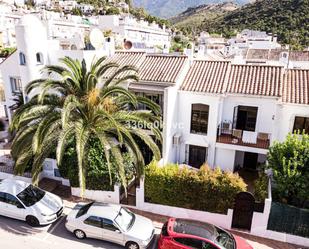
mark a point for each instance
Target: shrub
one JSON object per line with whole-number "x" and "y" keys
{"x": 289, "y": 162}
{"x": 261, "y": 187}
{"x": 204, "y": 189}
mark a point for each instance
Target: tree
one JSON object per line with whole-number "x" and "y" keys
{"x": 112, "y": 11}
{"x": 19, "y": 101}
{"x": 79, "y": 105}
{"x": 77, "y": 11}
{"x": 289, "y": 162}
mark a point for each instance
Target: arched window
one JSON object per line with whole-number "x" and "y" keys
{"x": 22, "y": 59}
{"x": 39, "y": 58}
{"x": 199, "y": 118}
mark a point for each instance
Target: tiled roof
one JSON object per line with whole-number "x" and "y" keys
{"x": 257, "y": 54}
{"x": 206, "y": 76}
{"x": 296, "y": 87}
{"x": 255, "y": 80}
{"x": 299, "y": 56}
{"x": 151, "y": 68}
{"x": 124, "y": 58}
{"x": 161, "y": 68}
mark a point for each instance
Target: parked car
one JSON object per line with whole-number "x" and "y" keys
{"x": 110, "y": 223}
{"x": 188, "y": 234}
{"x": 23, "y": 201}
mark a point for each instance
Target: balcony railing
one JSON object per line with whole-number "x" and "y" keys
{"x": 243, "y": 138}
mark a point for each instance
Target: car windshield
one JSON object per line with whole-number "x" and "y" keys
{"x": 83, "y": 210}
{"x": 125, "y": 219}
{"x": 31, "y": 195}
{"x": 224, "y": 239}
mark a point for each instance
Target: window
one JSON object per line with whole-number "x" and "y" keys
{"x": 10, "y": 199}
{"x": 22, "y": 59}
{"x": 195, "y": 243}
{"x": 93, "y": 221}
{"x": 39, "y": 58}
{"x": 15, "y": 85}
{"x": 245, "y": 118}
{"x": 109, "y": 225}
{"x": 2, "y": 197}
{"x": 301, "y": 124}
{"x": 199, "y": 118}
{"x": 84, "y": 209}
{"x": 31, "y": 195}
{"x": 197, "y": 156}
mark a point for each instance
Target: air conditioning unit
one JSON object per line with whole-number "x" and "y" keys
{"x": 176, "y": 139}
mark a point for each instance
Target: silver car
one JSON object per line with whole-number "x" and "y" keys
{"x": 110, "y": 223}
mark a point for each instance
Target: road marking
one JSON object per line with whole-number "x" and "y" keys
{"x": 59, "y": 221}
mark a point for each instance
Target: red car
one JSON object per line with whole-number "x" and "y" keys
{"x": 188, "y": 234}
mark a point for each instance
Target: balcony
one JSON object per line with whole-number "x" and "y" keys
{"x": 243, "y": 138}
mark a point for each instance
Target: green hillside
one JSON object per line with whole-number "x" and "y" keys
{"x": 289, "y": 19}
{"x": 191, "y": 19}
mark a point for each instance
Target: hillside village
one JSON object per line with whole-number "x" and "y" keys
{"x": 105, "y": 103}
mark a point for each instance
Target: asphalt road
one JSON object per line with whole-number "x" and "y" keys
{"x": 16, "y": 234}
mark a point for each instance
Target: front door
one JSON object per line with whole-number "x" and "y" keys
{"x": 243, "y": 211}
{"x": 112, "y": 233}
{"x": 250, "y": 160}
{"x": 197, "y": 156}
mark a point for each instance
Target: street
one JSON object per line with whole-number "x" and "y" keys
{"x": 16, "y": 234}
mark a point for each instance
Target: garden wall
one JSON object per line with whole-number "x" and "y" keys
{"x": 223, "y": 220}
{"x": 101, "y": 196}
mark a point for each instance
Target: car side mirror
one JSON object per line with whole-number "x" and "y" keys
{"x": 20, "y": 206}
{"x": 118, "y": 231}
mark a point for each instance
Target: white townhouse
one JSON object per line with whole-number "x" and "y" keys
{"x": 160, "y": 76}
{"x": 35, "y": 49}
{"x": 229, "y": 114}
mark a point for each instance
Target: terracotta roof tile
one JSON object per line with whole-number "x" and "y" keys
{"x": 296, "y": 87}
{"x": 161, "y": 68}
{"x": 206, "y": 76}
{"x": 124, "y": 58}
{"x": 255, "y": 80}
{"x": 152, "y": 68}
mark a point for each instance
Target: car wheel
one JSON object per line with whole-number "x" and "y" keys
{"x": 32, "y": 221}
{"x": 132, "y": 245}
{"x": 79, "y": 234}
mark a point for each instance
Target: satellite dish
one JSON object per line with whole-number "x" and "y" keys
{"x": 128, "y": 45}
{"x": 96, "y": 38}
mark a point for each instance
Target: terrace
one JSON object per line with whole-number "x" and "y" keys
{"x": 243, "y": 138}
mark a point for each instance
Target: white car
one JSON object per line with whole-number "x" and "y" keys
{"x": 110, "y": 223}
{"x": 23, "y": 201}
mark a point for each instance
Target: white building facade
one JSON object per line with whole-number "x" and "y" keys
{"x": 140, "y": 33}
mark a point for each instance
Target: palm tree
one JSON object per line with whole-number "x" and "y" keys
{"x": 79, "y": 104}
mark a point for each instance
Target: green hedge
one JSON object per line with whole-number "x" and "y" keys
{"x": 97, "y": 174}
{"x": 205, "y": 189}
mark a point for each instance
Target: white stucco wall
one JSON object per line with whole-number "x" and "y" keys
{"x": 170, "y": 125}
{"x": 225, "y": 159}
{"x": 185, "y": 101}
{"x": 286, "y": 115}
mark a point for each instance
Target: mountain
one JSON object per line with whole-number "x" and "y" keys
{"x": 194, "y": 17}
{"x": 288, "y": 19}
{"x": 170, "y": 8}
